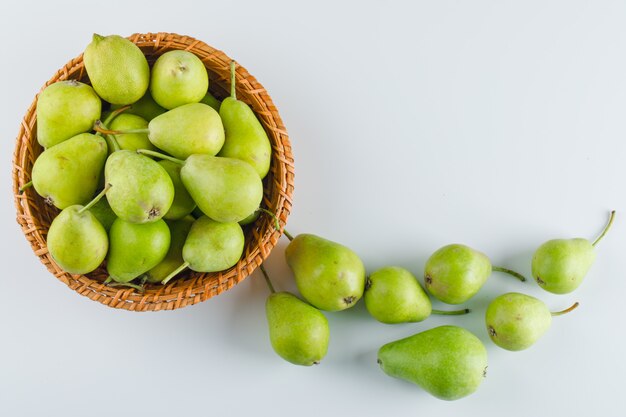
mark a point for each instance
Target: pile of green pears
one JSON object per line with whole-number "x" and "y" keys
{"x": 150, "y": 171}
{"x": 447, "y": 361}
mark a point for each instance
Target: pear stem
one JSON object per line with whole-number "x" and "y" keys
{"x": 95, "y": 199}
{"x": 233, "y": 92}
{"x": 267, "y": 279}
{"x": 567, "y": 310}
{"x": 25, "y": 186}
{"x": 138, "y": 287}
{"x": 289, "y": 236}
{"x": 98, "y": 127}
{"x": 160, "y": 155}
{"x": 175, "y": 272}
{"x": 111, "y": 138}
{"x": 606, "y": 228}
{"x": 266, "y": 211}
{"x": 510, "y": 272}
{"x": 451, "y": 313}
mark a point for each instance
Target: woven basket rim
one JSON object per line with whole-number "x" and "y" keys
{"x": 33, "y": 215}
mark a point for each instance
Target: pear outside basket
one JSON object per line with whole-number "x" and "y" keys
{"x": 34, "y": 215}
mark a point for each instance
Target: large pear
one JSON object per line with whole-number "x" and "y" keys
{"x": 117, "y": 69}
{"x": 330, "y": 276}
{"x": 448, "y": 361}
{"x": 69, "y": 173}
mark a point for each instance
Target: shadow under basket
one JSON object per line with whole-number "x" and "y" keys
{"x": 34, "y": 215}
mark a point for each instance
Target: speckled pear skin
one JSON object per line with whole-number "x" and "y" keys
{"x": 455, "y": 273}
{"x": 516, "y": 321}
{"x": 69, "y": 173}
{"x": 77, "y": 241}
{"x": 560, "y": 265}
{"x": 393, "y": 295}
{"x": 136, "y": 248}
{"x": 141, "y": 190}
{"x": 298, "y": 332}
{"x": 64, "y": 110}
{"x": 449, "y": 362}
{"x": 117, "y": 69}
{"x": 329, "y": 275}
{"x": 188, "y": 130}
{"x": 213, "y": 246}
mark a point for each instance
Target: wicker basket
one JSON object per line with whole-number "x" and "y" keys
{"x": 34, "y": 215}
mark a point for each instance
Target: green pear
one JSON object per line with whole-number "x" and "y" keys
{"x": 245, "y": 137}
{"x": 145, "y": 107}
{"x": 210, "y": 100}
{"x": 76, "y": 240}
{"x": 136, "y": 248}
{"x": 178, "y": 77}
{"x": 103, "y": 212}
{"x": 516, "y": 321}
{"x": 330, "y": 276}
{"x": 455, "y": 273}
{"x": 179, "y": 229}
{"x": 69, "y": 173}
{"x": 183, "y": 204}
{"x": 141, "y": 190}
{"x": 210, "y": 247}
{"x": 225, "y": 189}
{"x": 299, "y": 332}
{"x": 449, "y": 362}
{"x": 186, "y": 130}
{"x": 131, "y": 141}
{"x": 560, "y": 265}
{"x": 117, "y": 69}
{"x": 393, "y": 295}
{"x": 65, "y": 109}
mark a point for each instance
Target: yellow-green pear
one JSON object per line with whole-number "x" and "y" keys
{"x": 69, "y": 173}
{"x": 178, "y": 77}
{"x": 179, "y": 229}
{"x": 64, "y": 110}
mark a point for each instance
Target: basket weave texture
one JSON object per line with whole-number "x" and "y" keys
{"x": 34, "y": 215}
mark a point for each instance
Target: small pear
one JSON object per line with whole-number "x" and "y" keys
{"x": 178, "y": 77}
{"x": 76, "y": 240}
{"x": 393, "y": 295}
{"x": 179, "y": 229}
{"x": 145, "y": 107}
{"x": 225, "y": 189}
{"x": 136, "y": 248}
{"x": 455, "y": 273}
{"x": 117, "y": 69}
{"x": 245, "y": 137}
{"x": 183, "y": 204}
{"x": 560, "y": 265}
{"x": 131, "y": 141}
{"x": 69, "y": 173}
{"x": 210, "y": 100}
{"x": 299, "y": 332}
{"x": 64, "y": 110}
{"x": 210, "y": 247}
{"x": 449, "y": 362}
{"x": 141, "y": 190}
{"x": 330, "y": 276}
{"x": 516, "y": 321}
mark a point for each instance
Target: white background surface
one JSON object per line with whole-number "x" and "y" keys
{"x": 497, "y": 124}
